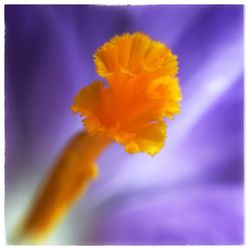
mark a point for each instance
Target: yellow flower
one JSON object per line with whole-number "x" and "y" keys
{"x": 142, "y": 88}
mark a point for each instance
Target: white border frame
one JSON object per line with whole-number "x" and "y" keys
{"x": 246, "y": 108}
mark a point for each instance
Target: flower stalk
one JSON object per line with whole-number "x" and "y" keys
{"x": 68, "y": 179}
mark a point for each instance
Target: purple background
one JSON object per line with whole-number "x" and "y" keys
{"x": 192, "y": 191}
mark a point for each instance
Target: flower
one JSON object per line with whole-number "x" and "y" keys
{"x": 129, "y": 110}
{"x": 142, "y": 89}
{"x": 204, "y": 148}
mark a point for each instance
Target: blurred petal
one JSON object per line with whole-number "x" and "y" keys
{"x": 204, "y": 215}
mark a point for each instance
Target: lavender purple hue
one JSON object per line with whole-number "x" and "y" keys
{"x": 192, "y": 191}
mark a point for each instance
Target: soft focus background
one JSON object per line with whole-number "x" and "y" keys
{"x": 192, "y": 191}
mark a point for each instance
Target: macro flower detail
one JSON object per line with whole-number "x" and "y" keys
{"x": 142, "y": 88}
{"x": 139, "y": 90}
{"x": 69, "y": 179}
{"x": 135, "y": 54}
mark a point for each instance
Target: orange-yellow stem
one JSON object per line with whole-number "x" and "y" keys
{"x": 68, "y": 179}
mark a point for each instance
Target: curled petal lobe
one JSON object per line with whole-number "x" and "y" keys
{"x": 131, "y": 115}
{"x": 135, "y": 54}
{"x": 149, "y": 140}
{"x": 166, "y": 91}
{"x": 87, "y": 101}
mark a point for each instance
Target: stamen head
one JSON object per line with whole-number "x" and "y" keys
{"x": 139, "y": 93}
{"x": 135, "y": 54}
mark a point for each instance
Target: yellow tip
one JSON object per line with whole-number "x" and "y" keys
{"x": 142, "y": 89}
{"x": 135, "y": 54}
